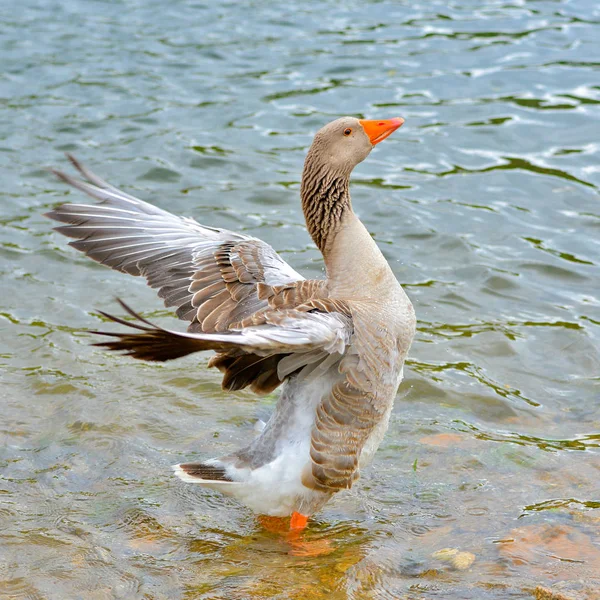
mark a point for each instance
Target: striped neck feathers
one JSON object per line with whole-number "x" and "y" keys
{"x": 325, "y": 200}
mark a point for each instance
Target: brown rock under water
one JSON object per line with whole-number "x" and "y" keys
{"x": 551, "y": 551}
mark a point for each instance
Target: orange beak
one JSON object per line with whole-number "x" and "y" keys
{"x": 379, "y": 130}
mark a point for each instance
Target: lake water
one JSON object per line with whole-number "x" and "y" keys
{"x": 485, "y": 203}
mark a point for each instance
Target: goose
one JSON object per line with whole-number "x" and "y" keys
{"x": 335, "y": 346}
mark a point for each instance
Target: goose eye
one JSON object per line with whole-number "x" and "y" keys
{"x": 347, "y": 131}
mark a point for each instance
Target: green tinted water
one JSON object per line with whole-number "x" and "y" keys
{"x": 485, "y": 203}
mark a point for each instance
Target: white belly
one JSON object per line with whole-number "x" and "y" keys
{"x": 275, "y": 488}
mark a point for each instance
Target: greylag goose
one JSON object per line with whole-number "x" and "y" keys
{"x": 335, "y": 346}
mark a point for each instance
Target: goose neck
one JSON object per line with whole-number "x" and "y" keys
{"x": 325, "y": 203}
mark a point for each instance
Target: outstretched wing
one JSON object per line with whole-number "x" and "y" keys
{"x": 306, "y": 332}
{"x": 210, "y": 275}
{"x": 216, "y": 279}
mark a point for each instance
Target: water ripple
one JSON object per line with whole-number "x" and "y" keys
{"x": 485, "y": 205}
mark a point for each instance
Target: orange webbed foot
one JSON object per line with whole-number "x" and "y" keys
{"x": 296, "y": 522}
{"x": 292, "y": 529}
{"x": 274, "y": 524}
{"x": 300, "y": 547}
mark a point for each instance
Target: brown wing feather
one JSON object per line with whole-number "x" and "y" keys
{"x": 209, "y": 275}
{"x": 254, "y": 371}
{"x": 204, "y": 471}
{"x": 357, "y": 404}
{"x": 245, "y": 361}
{"x": 214, "y": 278}
{"x": 344, "y": 420}
{"x": 248, "y": 370}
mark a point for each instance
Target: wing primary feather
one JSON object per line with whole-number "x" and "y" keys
{"x": 136, "y": 315}
{"x": 92, "y": 177}
{"x": 122, "y": 321}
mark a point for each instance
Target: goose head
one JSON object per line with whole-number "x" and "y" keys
{"x": 344, "y": 143}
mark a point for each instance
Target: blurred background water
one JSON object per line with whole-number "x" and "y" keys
{"x": 485, "y": 203}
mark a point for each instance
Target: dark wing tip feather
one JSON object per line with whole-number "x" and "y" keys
{"x": 126, "y": 323}
{"x": 152, "y": 343}
{"x": 51, "y": 214}
{"x": 142, "y": 346}
{"x": 74, "y": 161}
{"x": 63, "y": 176}
{"x": 204, "y": 471}
{"x": 135, "y": 315}
{"x": 87, "y": 174}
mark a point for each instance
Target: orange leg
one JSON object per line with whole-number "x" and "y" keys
{"x": 298, "y": 521}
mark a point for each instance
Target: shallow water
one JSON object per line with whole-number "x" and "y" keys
{"x": 485, "y": 203}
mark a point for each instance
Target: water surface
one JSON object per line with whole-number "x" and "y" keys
{"x": 485, "y": 203}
